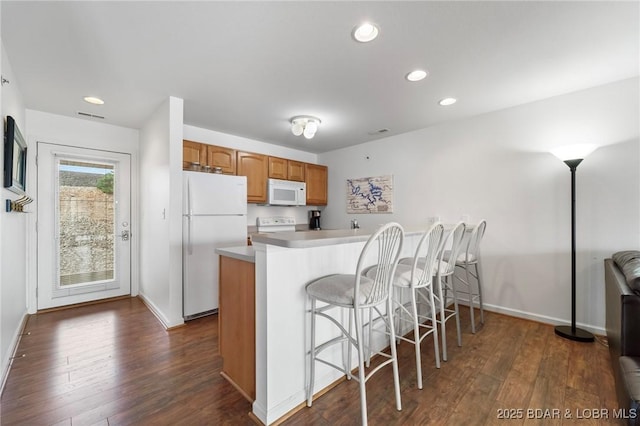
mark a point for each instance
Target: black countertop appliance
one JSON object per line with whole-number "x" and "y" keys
{"x": 314, "y": 220}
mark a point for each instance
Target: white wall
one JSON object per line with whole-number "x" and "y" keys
{"x": 161, "y": 216}
{"x": 497, "y": 167}
{"x": 254, "y": 211}
{"x": 13, "y": 234}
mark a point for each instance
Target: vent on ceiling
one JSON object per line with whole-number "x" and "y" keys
{"x": 380, "y": 131}
{"x": 86, "y": 114}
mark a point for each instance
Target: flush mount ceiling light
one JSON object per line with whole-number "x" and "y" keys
{"x": 447, "y": 101}
{"x": 416, "y": 75}
{"x": 93, "y": 100}
{"x": 365, "y": 33}
{"x": 305, "y": 125}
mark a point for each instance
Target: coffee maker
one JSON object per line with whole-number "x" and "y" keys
{"x": 314, "y": 220}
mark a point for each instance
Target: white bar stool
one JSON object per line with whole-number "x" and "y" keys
{"x": 358, "y": 293}
{"x": 416, "y": 274}
{"x": 469, "y": 261}
{"x": 444, "y": 272}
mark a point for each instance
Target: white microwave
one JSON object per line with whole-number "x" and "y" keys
{"x": 286, "y": 193}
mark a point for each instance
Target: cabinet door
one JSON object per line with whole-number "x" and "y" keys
{"x": 277, "y": 168}
{"x": 236, "y": 324}
{"x": 295, "y": 170}
{"x": 255, "y": 167}
{"x": 193, "y": 152}
{"x": 225, "y": 158}
{"x": 316, "y": 179}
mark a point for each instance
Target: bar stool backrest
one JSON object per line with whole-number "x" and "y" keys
{"x": 424, "y": 260}
{"x": 473, "y": 245}
{"x": 388, "y": 239}
{"x": 454, "y": 242}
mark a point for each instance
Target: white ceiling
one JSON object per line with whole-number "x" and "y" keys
{"x": 246, "y": 68}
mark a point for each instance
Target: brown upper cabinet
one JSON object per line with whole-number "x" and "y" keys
{"x": 295, "y": 170}
{"x": 225, "y": 158}
{"x": 208, "y": 155}
{"x": 316, "y": 179}
{"x": 193, "y": 152}
{"x": 277, "y": 168}
{"x": 256, "y": 168}
{"x": 281, "y": 168}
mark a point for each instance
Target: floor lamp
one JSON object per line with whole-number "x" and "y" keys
{"x": 573, "y": 155}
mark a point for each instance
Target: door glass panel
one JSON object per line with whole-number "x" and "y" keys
{"x": 86, "y": 223}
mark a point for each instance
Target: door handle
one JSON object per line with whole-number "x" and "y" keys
{"x": 125, "y": 235}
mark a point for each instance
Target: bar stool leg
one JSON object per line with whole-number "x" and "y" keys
{"x": 436, "y": 344}
{"x": 457, "y": 312}
{"x": 370, "y": 329}
{"x": 443, "y": 329}
{"x": 416, "y": 338}
{"x": 347, "y": 362}
{"x": 312, "y": 354}
{"x": 471, "y": 297}
{"x": 479, "y": 279}
{"x": 394, "y": 355}
{"x": 361, "y": 373}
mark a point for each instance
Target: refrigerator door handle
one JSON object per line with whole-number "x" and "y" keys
{"x": 189, "y": 212}
{"x": 189, "y": 245}
{"x": 189, "y": 209}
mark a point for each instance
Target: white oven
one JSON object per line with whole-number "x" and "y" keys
{"x": 276, "y": 224}
{"x": 286, "y": 193}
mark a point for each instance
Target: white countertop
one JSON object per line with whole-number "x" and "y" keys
{"x": 244, "y": 253}
{"x": 306, "y": 239}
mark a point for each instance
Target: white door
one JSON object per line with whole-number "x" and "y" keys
{"x": 83, "y": 225}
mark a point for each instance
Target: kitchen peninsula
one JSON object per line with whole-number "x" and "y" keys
{"x": 284, "y": 263}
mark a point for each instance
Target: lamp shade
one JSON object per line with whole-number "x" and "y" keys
{"x": 573, "y": 152}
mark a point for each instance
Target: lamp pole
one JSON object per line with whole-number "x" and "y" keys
{"x": 571, "y": 332}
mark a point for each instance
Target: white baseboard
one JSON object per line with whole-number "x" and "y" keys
{"x": 535, "y": 317}
{"x": 13, "y": 349}
{"x": 158, "y": 313}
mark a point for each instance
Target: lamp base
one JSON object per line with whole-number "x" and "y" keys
{"x": 576, "y": 334}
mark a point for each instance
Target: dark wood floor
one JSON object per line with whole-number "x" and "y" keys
{"x": 114, "y": 364}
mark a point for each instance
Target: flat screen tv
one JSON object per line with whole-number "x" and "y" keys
{"x": 15, "y": 158}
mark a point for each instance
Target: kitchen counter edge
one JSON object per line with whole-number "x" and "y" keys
{"x": 244, "y": 253}
{"x": 309, "y": 239}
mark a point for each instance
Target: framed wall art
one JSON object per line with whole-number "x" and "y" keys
{"x": 370, "y": 195}
{"x": 15, "y": 158}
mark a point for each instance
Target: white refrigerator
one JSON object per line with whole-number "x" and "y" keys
{"x": 214, "y": 215}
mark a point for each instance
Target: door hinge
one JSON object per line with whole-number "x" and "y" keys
{"x": 36, "y": 291}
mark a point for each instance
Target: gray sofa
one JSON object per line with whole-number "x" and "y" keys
{"x": 622, "y": 293}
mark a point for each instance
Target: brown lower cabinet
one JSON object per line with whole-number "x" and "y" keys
{"x": 237, "y": 325}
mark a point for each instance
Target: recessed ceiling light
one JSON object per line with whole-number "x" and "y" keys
{"x": 416, "y": 75}
{"x": 365, "y": 32}
{"x": 93, "y": 100}
{"x": 447, "y": 101}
